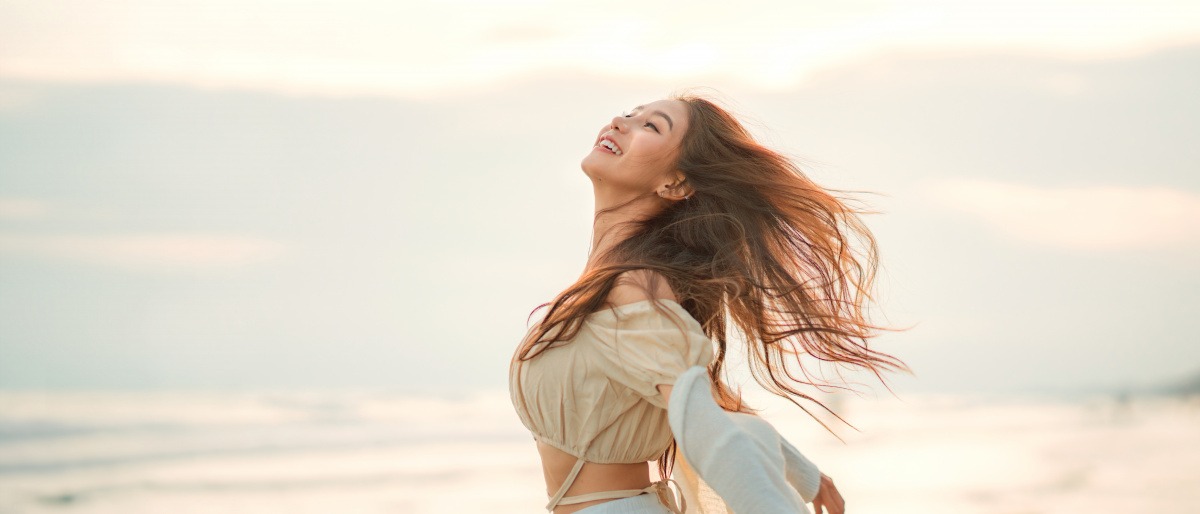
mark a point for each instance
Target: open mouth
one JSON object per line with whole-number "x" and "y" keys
{"x": 609, "y": 146}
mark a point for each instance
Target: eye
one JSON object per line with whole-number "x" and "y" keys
{"x": 651, "y": 125}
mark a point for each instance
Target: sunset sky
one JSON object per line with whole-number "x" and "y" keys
{"x": 227, "y": 194}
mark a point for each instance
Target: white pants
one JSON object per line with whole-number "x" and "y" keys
{"x": 640, "y": 504}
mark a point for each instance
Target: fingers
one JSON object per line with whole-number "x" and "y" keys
{"x": 837, "y": 506}
{"x": 828, "y": 498}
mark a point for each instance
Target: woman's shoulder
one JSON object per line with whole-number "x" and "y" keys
{"x": 642, "y": 300}
{"x": 639, "y": 286}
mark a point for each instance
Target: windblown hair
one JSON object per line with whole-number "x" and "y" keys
{"x": 758, "y": 243}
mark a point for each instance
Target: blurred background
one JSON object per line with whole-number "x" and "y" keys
{"x": 260, "y": 256}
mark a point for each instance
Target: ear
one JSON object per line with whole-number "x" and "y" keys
{"x": 679, "y": 189}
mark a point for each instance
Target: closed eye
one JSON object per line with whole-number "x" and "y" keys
{"x": 651, "y": 125}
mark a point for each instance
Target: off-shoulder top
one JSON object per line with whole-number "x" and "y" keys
{"x": 595, "y": 396}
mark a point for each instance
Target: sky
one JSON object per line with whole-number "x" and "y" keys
{"x": 262, "y": 194}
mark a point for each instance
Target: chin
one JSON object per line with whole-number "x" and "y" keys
{"x": 588, "y": 168}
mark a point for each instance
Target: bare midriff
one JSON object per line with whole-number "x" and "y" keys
{"x": 593, "y": 477}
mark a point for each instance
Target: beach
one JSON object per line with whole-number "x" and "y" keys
{"x": 402, "y": 452}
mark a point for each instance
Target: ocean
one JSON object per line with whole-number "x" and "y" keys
{"x": 392, "y": 452}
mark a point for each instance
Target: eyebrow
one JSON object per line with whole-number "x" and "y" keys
{"x": 670, "y": 124}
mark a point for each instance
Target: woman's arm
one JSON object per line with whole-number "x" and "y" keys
{"x": 741, "y": 459}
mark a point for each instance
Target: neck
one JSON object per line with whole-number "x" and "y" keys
{"x": 612, "y": 216}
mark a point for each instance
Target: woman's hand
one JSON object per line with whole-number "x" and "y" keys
{"x": 828, "y": 497}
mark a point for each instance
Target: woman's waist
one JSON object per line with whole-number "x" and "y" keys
{"x": 593, "y": 476}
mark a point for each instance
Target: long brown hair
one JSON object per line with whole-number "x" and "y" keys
{"x": 759, "y": 242}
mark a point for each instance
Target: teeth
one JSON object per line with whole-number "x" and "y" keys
{"x": 609, "y": 145}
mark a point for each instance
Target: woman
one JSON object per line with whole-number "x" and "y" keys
{"x": 695, "y": 221}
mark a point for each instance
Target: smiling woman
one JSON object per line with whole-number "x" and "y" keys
{"x": 645, "y": 140}
{"x": 696, "y": 223}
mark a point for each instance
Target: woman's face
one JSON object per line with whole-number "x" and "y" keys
{"x": 645, "y": 144}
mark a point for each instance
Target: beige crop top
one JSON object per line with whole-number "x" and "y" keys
{"x": 595, "y": 397}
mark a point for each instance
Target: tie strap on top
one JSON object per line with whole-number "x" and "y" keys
{"x": 660, "y": 488}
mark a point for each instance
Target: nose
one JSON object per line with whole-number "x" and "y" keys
{"x": 618, "y": 122}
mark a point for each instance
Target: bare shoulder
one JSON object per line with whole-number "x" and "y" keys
{"x": 639, "y": 285}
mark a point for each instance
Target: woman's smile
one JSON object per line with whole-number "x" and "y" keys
{"x": 607, "y": 144}
{"x": 604, "y": 149}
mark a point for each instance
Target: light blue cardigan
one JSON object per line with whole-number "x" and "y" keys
{"x": 740, "y": 456}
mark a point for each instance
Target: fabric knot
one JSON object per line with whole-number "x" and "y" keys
{"x": 667, "y": 497}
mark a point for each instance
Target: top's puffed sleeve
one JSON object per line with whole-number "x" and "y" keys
{"x": 641, "y": 347}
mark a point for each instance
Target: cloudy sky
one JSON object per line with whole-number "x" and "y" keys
{"x": 241, "y": 194}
